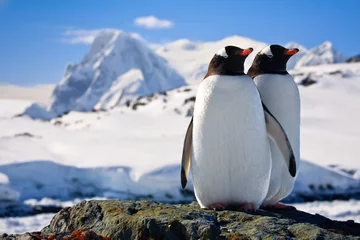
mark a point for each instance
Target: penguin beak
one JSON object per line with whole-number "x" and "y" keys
{"x": 246, "y": 52}
{"x": 291, "y": 51}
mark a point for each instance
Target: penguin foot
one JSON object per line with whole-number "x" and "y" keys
{"x": 248, "y": 207}
{"x": 217, "y": 206}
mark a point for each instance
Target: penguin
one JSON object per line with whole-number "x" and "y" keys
{"x": 226, "y": 144}
{"x": 280, "y": 94}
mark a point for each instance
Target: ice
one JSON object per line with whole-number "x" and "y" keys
{"x": 7, "y": 194}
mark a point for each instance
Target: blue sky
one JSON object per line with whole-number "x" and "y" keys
{"x": 35, "y": 49}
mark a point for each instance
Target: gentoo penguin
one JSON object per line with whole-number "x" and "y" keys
{"x": 226, "y": 144}
{"x": 280, "y": 94}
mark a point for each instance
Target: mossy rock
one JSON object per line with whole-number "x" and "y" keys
{"x": 153, "y": 220}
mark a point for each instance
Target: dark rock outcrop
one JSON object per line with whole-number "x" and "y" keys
{"x": 354, "y": 59}
{"x": 14, "y": 209}
{"x": 152, "y": 220}
{"x": 307, "y": 81}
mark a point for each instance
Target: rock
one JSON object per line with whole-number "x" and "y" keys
{"x": 152, "y": 220}
{"x": 17, "y": 209}
{"x": 354, "y": 59}
{"x": 307, "y": 81}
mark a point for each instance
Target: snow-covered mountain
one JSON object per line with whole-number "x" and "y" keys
{"x": 191, "y": 58}
{"x": 121, "y": 67}
{"x": 323, "y": 54}
{"x": 117, "y": 68}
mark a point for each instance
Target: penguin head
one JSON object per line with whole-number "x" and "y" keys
{"x": 273, "y": 58}
{"x": 229, "y": 61}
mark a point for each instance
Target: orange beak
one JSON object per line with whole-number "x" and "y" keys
{"x": 291, "y": 51}
{"x": 246, "y": 52}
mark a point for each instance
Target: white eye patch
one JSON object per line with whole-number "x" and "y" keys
{"x": 267, "y": 51}
{"x": 222, "y": 52}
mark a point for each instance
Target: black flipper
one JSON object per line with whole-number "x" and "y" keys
{"x": 186, "y": 155}
{"x": 277, "y": 134}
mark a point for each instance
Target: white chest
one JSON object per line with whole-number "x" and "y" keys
{"x": 230, "y": 148}
{"x": 281, "y": 95}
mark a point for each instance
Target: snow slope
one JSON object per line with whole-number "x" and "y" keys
{"x": 330, "y": 113}
{"x": 117, "y": 66}
{"x": 323, "y": 54}
{"x": 12, "y": 107}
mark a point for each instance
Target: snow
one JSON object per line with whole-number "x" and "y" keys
{"x": 314, "y": 180}
{"x": 125, "y": 88}
{"x": 323, "y": 54}
{"x": 106, "y": 153}
{"x": 24, "y": 224}
{"x": 12, "y": 107}
{"x": 337, "y": 210}
{"x": 330, "y": 113}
